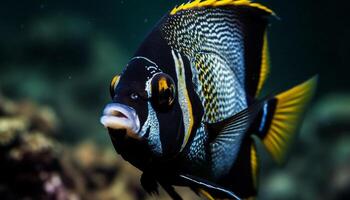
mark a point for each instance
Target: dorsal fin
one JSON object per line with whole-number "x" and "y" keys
{"x": 256, "y": 45}
{"x": 245, "y": 49}
{"x": 219, "y": 3}
{"x": 256, "y": 52}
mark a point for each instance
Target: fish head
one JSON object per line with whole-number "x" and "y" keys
{"x": 144, "y": 119}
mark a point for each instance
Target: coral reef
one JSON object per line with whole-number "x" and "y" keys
{"x": 35, "y": 165}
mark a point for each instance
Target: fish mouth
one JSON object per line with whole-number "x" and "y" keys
{"x": 121, "y": 117}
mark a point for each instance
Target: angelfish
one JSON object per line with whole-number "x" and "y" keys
{"x": 186, "y": 110}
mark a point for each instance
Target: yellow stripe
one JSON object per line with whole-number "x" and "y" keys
{"x": 114, "y": 84}
{"x": 206, "y": 194}
{"x": 188, "y": 134}
{"x": 254, "y": 164}
{"x": 115, "y": 81}
{"x": 276, "y": 152}
{"x": 181, "y": 77}
{"x": 278, "y": 140}
{"x": 218, "y": 3}
{"x": 265, "y": 68}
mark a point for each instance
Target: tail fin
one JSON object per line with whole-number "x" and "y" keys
{"x": 280, "y": 117}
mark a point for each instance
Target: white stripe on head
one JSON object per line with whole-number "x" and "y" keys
{"x": 151, "y": 69}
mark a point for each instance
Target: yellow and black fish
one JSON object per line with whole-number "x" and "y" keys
{"x": 186, "y": 108}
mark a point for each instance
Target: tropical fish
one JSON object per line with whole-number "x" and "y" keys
{"x": 187, "y": 109}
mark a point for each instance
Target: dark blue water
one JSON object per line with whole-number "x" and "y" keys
{"x": 64, "y": 53}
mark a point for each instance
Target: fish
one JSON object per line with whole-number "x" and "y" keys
{"x": 187, "y": 109}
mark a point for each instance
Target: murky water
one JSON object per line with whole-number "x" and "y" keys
{"x": 56, "y": 62}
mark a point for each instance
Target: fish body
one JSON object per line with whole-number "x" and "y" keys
{"x": 186, "y": 108}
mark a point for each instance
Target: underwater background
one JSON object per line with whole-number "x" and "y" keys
{"x": 56, "y": 62}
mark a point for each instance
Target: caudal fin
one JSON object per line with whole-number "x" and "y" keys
{"x": 280, "y": 117}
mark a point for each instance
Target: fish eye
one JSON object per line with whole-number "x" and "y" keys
{"x": 134, "y": 96}
{"x": 113, "y": 85}
{"x": 162, "y": 92}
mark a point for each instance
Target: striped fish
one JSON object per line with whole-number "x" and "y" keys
{"x": 187, "y": 105}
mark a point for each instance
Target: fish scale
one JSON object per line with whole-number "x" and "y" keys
{"x": 214, "y": 40}
{"x": 220, "y": 98}
{"x": 196, "y": 123}
{"x": 188, "y": 32}
{"x": 197, "y": 154}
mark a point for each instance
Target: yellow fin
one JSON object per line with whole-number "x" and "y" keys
{"x": 265, "y": 65}
{"x": 218, "y": 3}
{"x": 289, "y": 108}
{"x": 254, "y": 164}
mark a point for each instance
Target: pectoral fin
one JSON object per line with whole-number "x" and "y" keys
{"x": 237, "y": 124}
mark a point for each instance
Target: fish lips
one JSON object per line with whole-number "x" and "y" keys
{"x": 123, "y": 126}
{"x": 119, "y": 118}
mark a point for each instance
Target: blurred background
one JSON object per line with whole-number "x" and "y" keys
{"x": 56, "y": 62}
